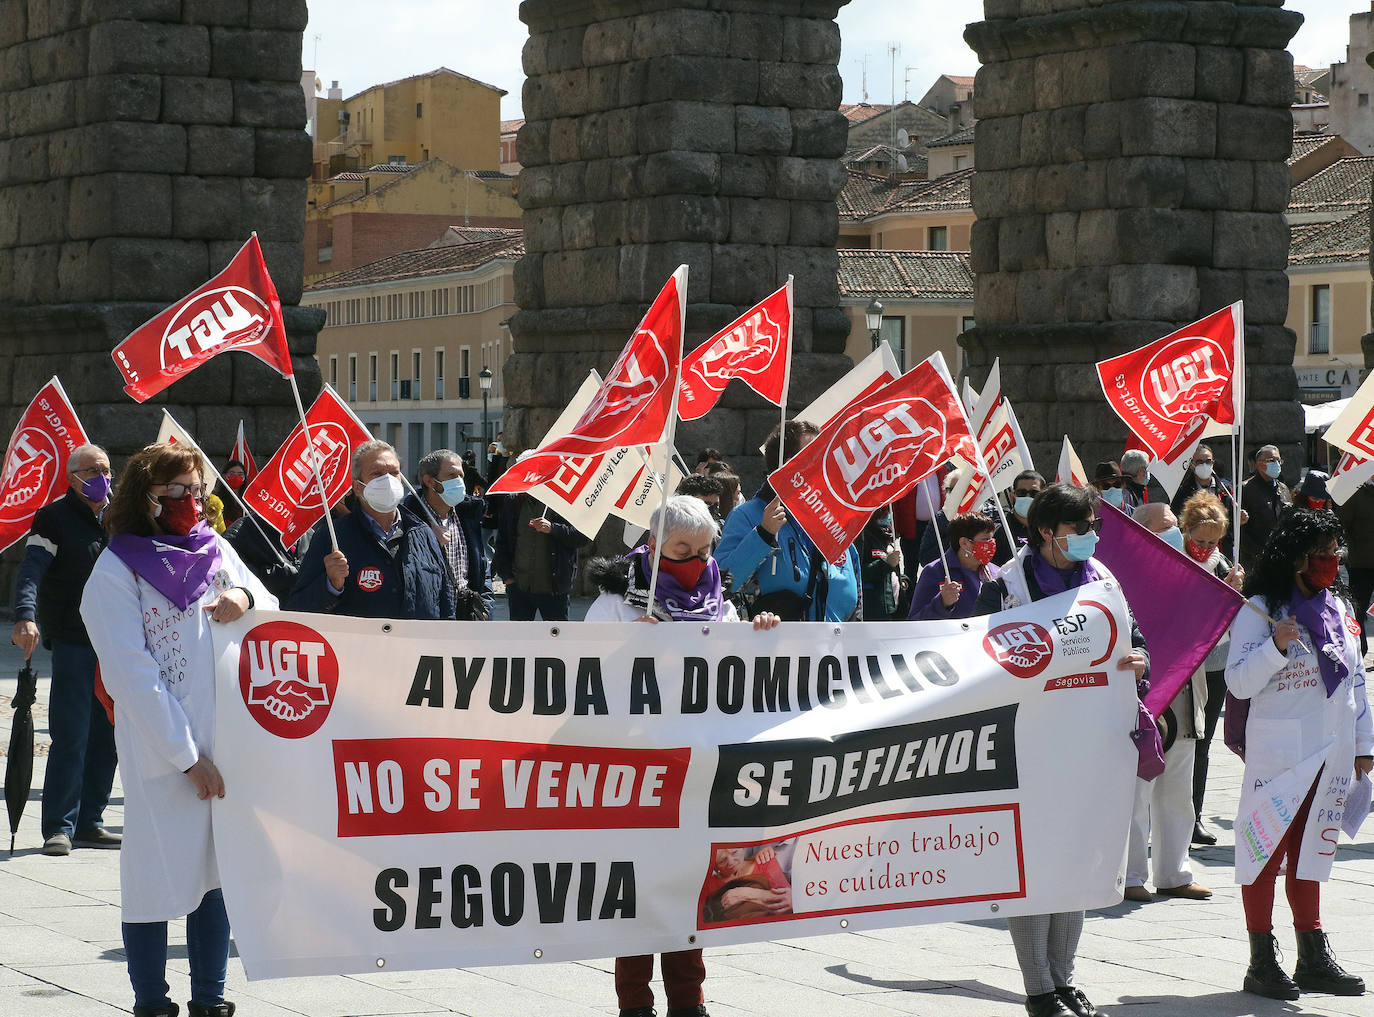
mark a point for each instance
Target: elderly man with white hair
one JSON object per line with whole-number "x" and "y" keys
{"x": 1135, "y": 468}
{"x": 63, "y": 545}
{"x": 689, "y": 589}
{"x": 1163, "y": 818}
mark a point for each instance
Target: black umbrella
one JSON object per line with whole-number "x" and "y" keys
{"x": 19, "y": 762}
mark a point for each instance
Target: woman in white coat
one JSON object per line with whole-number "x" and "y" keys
{"x": 1308, "y": 745}
{"x": 153, "y": 595}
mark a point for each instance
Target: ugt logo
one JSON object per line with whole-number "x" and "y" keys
{"x": 28, "y": 475}
{"x": 230, "y": 314}
{"x": 288, "y": 675}
{"x": 746, "y": 350}
{"x": 874, "y": 452}
{"x": 1022, "y": 648}
{"x": 1186, "y": 378}
{"x": 638, "y": 375}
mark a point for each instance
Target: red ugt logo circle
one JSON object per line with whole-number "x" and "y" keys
{"x": 288, "y": 675}
{"x": 1023, "y": 648}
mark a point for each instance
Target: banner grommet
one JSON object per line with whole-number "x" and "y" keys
{"x": 538, "y": 954}
{"x": 996, "y": 907}
{"x": 844, "y": 923}
{"x": 386, "y": 627}
{"x": 706, "y": 630}
{"x": 381, "y": 962}
{"x": 553, "y": 631}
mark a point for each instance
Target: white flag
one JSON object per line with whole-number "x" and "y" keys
{"x": 1070, "y": 467}
{"x": 171, "y": 431}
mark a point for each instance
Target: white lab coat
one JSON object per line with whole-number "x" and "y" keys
{"x": 1293, "y": 731}
{"x": 158, "y": 665}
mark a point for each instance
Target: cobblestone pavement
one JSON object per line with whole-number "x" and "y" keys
{"x": 60, "y": 951}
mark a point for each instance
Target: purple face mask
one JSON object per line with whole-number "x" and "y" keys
{"x": 96, "y": 488}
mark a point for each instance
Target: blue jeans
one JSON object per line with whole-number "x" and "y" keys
{"x": 81, "y": 761}
{"x": 551, "y": 606}
{"x": 207, "y": 948}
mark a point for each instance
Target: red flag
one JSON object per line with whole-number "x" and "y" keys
{"x": 1167, "y": 391}
{"x": 34, "y": 472}
{"x": 242, "y": 455}
{"x": 285, "y": 493}
{"x": 879, "y": 448}
{"x": 632, "y": 405}
{"x": 236, "y": 310}
{"x": 756, "y": 348}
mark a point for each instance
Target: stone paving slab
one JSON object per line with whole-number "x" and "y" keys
{"x": 60, "y": 952}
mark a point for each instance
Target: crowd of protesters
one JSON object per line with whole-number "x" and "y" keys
{"x": 91, "y": 588}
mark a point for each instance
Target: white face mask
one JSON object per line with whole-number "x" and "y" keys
{"x": 383, "y": 493}
{"x": 1203, "y": 471}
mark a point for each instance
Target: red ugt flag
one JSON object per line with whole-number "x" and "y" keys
{"x": 34, "y": 472}
{"x": 285, "y": 493}
{"x": 872, "y": 453}
{"x": 1167, "y": 391}
{"x": 236, "y": 310}
{"x": 756, "y": 348}
{"x": 633, "y": 404}
{"x": 242, "y": 455}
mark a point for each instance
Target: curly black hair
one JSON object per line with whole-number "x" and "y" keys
{"x": 1297, "y": 535}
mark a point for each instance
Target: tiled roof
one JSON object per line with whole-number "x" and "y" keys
{"x": 868, "y": 195}
{"x": 349, "y": 175}
{"x": 511, "y": 126}
{"x": 1306, "y": 144}
{"x": 457, "y": 235}
{"x": 428, "y": 261}
{"x": 858, "y": 112}
{"x": 428, "y": 74}
{"x": 393, "y": 167}
{"x": 914, "y": 275}
{"x": 1344, "y": 186}
{"x": 1345, "y": 240}
{"x": 961, "y": 137}
{"x": 961, "y": 79}
{"x": 1307, "y": 75}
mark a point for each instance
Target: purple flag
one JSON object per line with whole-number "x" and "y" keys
{"x": 1182, "y": 609}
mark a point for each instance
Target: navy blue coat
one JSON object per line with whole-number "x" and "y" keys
{"x": 64, "y": 543}
{"x": 470, "y": 513}
{"x": 413, "y": 585}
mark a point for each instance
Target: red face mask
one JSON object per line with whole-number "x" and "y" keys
{"x": 686, "y": 571}
{"x": 235, "y": 481}
{"x": 1197, "y": 552}
{"x": 178, "y": 516}
{"x": 984, "y": 550}
{"x": 1315, "y": 506}
{"x": 1322, "y": 570}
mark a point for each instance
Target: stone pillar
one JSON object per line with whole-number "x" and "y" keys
{"x": 1131, "y": 179}
{"x": 141, "y": 142}
{"x": 659, "y": 133}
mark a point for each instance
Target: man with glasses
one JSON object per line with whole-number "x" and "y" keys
{"x": 1202, "y": 476}
{"x": 1024, "y": 488}
{"x": 61, "y": 550}
{"x": 1262, "y": 499}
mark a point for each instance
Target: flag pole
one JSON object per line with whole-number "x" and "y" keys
{"x": 786, "y": 379}
{"x": 1238, "y": 430}
{"x": 670, "y": 438}
{"x": 248, "y": 514}
{"x": 939, "y": 540}
{"x": 315, "y": 463}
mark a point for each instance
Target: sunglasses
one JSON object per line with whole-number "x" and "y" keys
{"x": 1082, "y": 526}
{"x": 1110, "y": 482}
{"x": 1026, "y": 492}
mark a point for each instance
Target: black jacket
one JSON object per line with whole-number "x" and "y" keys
{"x": 1265, "y": 500}
{"x": 563, "y": 545}
{"x": 413, "y": 584}
{"x": 249, "y": 537}
{"x": 470, "y": 512}
{"x": 63, "y": 545}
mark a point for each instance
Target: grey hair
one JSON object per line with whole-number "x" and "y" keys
{"x": 683, "y": 514}
{"x": 79, "y": 454}
{"x": 1152, "y": 512}
{"x": 432, "y": 462}
{"x": 366, "y": 449}
{"x": 1266, "y": 448}
{"x": 1133, "y": 460}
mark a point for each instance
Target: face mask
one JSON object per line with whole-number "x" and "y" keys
{"x": 96, "y": 488}
{"x": 1173, "y": 536}
{"x": 1272, "y": 469}
{"x": 1079, "y": 546}
{"x": 1144, "y": 479}
{"x": 1114, "y": 496}
{"x": 1322, "y": 570}
{"x": 177, "y": 516}
{"x": 1022, "y": 506}
{"x": 1315, "y": 506}
{"x": 235, "y": 481}
{"x": 383, "y": 493}
{"x": 454, "y": 491}
{"x": 984, "y": 550}
{"x": 1201, "y": 555}
{"x": 1203, "y": 471}
{"x": 687, "y": 571}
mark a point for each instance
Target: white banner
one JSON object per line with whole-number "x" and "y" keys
{"x": 408, "y": 795}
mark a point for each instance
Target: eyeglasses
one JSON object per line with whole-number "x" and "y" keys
{"x": 178, "y": 491}
{"x": 1082, "y": 526}
{"x": 103, "y": 471}
{"x": 1026, "y": 492}
{"x": 1110, "y": 482}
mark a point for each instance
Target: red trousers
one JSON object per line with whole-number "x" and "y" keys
{"x": 683, "y": 973}
{"x": 1304, "y": 895}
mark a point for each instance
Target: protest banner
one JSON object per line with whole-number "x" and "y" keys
{"x": 872, "y": 453}
{"x": 421, "y": 794}
{"x": 1351, "y": 471}
{"x": 286, "y": 492}
{"x": 34, "y": 472}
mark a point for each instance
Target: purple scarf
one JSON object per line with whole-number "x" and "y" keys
{"x": 1054, "y": 580}
{"x": 179, "y": 568}
{"x": 671, "y": 602}
{"x": 1321, "y": 616}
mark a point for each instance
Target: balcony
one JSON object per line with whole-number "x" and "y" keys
{"x": 1319, "y": 337}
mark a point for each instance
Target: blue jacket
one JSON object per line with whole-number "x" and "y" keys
{"x": 470, "y": 512}
{"x": 746, "y": 552}
{"x": 412, "y": 585}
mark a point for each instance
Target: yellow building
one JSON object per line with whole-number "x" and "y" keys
{"x": 406, "y": 339}
{"x": 926, "y": 300}
{"x": 910, "y": 215}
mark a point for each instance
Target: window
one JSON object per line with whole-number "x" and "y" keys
{"x": 352, "y": 377}
{"x": 419, "y": 110}
{"x": 938, "y": 238}
{"x": 395, "y": 374}
{"x": 438, "y": 374}
{"x": 1319, "y": 333}
{"x": 893, "y": 332}
{"x": 334, "y": 373}
{"x": 415, "y": 374}
{"x": 967, "y": 324}
{"x": 372, "y": 377}
{"x": 1364, "y": 100}
{"x": 438, "y": 435}
{"x": 961, "y": 162}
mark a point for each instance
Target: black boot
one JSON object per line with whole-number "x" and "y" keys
{"x": 1317, "y": 970}
{"x": 168, "y": 1009}
{"x": 224, "y": 1009}
{"x": 1264, "y": 977}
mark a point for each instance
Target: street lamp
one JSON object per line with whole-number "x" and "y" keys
{"x": 484, "y": 380}
{"x": 873, "y": 317}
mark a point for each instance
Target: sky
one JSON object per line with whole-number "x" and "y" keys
{"x": 360, "y": 44}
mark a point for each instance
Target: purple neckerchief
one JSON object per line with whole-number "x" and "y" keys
{"x": 179, "y": 568}
{"x": 1054, "y": 580}
{"x": 1320, "y": 615}
{"x": 701, "y": 603}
